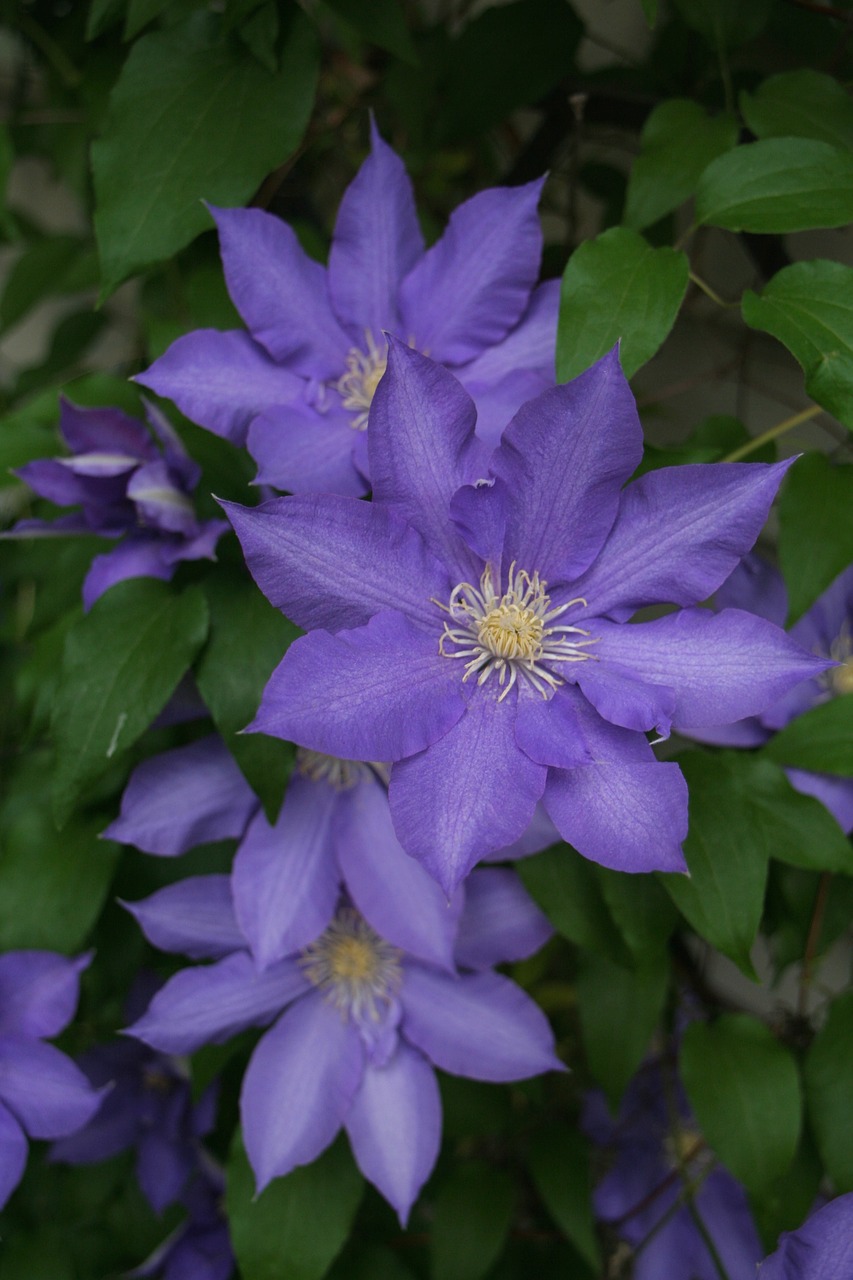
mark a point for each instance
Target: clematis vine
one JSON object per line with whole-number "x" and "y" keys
{"x": 468, "y": 625}
{"x": 298, "y": 387}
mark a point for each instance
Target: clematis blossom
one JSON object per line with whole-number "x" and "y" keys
{"x": 298, "y": 386}
{"x": 200, "y": 1248}
{"x": 468, "y": 625}
{"x": 821, "y": 1249}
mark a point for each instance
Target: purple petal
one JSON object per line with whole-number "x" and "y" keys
{"x": 103, "y": 430}
{"x": 379, "y": 692}
{"x": 422, "y": 448}
{"x": 821, "y": 1249}
{"x": 631, "y": 817}
{"x": 479, "y": 1025}
{"x": 304, "y": 451}
{"x": 498, "y": 402}
{"x": 50, "y": 478}
{"x": 679, "y": 533}
{"x": 391, "y": 890}
{"x": 100, "y": 466}
{"x": 38, "y": 992}
{"x": 836, "y": 794}
{"x": 141, "y": 557}
{"x": 201, "y": 546}
{"x": 160, "y": 503}
{"x": 564, "y": 458}
{"x": 13, "y": 1154}
{"x": 473, "y": 285}
{"x": 334, "y": 562}
{"x": 624, "y": 700}
{"x": 479, "y": 511}
{"x": 540, "y": 834}
{"x": 298, "y": 1087}
{"x": 748, "y": 732}
{"x": 377, "y": 241}
{"x": 757, "y": 587}
{"x": 221, "y": 380}
{"x": 186, "y": 471}
{"x": 211, "y": 1003}
{"x": 194, "y": 917}
{"x": 394, "y": 1125}
{"x": 529, "y": 346}
{"x": 500, "y": 922}
{"x": 566, "y": 731}
{"x": 187, "y": 796}
{"x": 286, "y": 879}
{"x": 162, "y": 1167}
{"x": 43, "y": 1088}
{"x": 280, "y": 292}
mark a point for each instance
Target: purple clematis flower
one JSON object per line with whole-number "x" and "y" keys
{"x": 359, "y": 1025}
{"x": 297, "y": 388}
{"x": 821, "y": 1249}
{"x": 468, "y": 624}
{"x": 200, "y": 1248}
{"x": 127, "y": 488}
{"x": 42, "y": 1093}
{"x": 826, "y": 630}
{"x": 658, "y": 1159}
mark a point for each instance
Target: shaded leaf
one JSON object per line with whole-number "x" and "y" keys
{"x": 726, "y": 22}
{"x": 559, "y": 1164}
{"x": 565, "y": 886}
{"x": 678, "y": 141}
{"x": 472, "y": 1215}
{"x": 820, "y": 740}
{"x": 800, "y": 104}
{"x": 777, "y": 185}
{"x": 815, "y": 530}
{"x": 380, "y": 22}
{"x": 642, "y": 910}
{"x": 829, "y": 1091}
{"x": 619, "y": 1010}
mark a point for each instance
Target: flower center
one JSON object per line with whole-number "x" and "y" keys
{"x": 358, "y": 971}
{"x": 840, "y": 679}
{"x": 343, "y": 775}
{"x": 357, "y": 385}
{"x": 511, "y": 634}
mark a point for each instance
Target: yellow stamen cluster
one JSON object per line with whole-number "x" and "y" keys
{"x": 343, "y": 775}
{"x": 357, "y": 386}
{"x": 358, "y": 972}
{"x": 840, "y": 679}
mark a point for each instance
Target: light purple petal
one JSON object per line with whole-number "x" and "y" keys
{"x": 564, "y": 458}
{"x": 377, "y": 241}
{"x": 756, "y": 586}
{"x": 43, "y": 1088}
{"x": 160, "y": 504}
{"x": 194, "y": 917}
{"x": 748, "y": 732}
{"x": 498, "y": 402}
{"x": 187, "y": 796}
{"x": 103, "y": 430}
{"x": 480, "y": 513}
{"x": 624, "y": 700}
{"x": 821, "y": 1249}
{"x": 529, "y": 346}
{"x": 211, "y": 1003}
{"x": 422, "y": 448}
{"x": 334, "y": 562}
{"x": 38, "y": 991}
{"x": 221, "y": 380}
{"x": 13, "y": 1154}
{"x": 133, "y": 558}
{"x": 541, "y": 834}
{"x": 298, "y": 1087}
{"x": 679, "y": 533}
{"x": 379, "y": 692}
{"x": 302, "y": 450}
{"x": 836, "y": 794}
{"x": 567, "y": 731}
{"x": 391, "y": 890}
{"x": 474, "y": 284}
{"x": 394, "y": 1125}
{"x": 99, "y": 466}
{"x": 479, "y": 1025}
{"x": 630, "y": 817}
{"x": 472, "y": 792}
{"x": 500, "y": 922}
{"x": 280, "y": 292}
{"x": 286, "y": 880}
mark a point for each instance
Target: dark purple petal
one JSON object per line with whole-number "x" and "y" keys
{"x": 221, "y": 380}
{"x": 13, "y": 1154}
{"x": 394, "y": 1125}
{"x": 280, "y": 292}
{"x": 211, "y": 1003}
{"x": 187, "y": 796}
{"x": 377, "y": 241}
{"x": 38, "y": 991}
{"x": 285, "y": 879}
{"x": 142, "y": 557}
{"x": 298, "y": 1087}
{"x": 194, "y": 917}
{"x": 201, "y": 546}
{"x": 529, "y": 346}
{"x": 726, "y": 1213}
{"x": 113, "y": 1128}
{"x": 756, "y": 586}
{"x": 422, "y": 448}
{"x": 480, "y": 511}
{"x": 830, "y": 616}
{"x": 50, "y": 478}
{"x": 390, "y": 889}
{"x": 498, "y": 402}
{"x": 162, "y": 1167}
{"x": 479, "y": 1025}
{"x": 564, "y": 458}
{"x": 473, "y": 285}
{"x": 836, "y": 794}
{"x": 103, "y": 430}
{"x": 302, "y": 450}
{"x": 43, "y": 1088}
{"x": 566, "y": 731}
{"x": 541, "y": 834}
{"x": 624, "y": 700}
{"x": 334, "y": 562}
{"x": 158, "y": 500}
{"x": 631, "y": 817}
{"x": 821, "y": 1249}
{"x": 185, "y": 471}
{"x": 679, "y": 533}
{"x": 472, "y": 792}
{"x": 500, "y": 922}
{"x": 379, "y": 692}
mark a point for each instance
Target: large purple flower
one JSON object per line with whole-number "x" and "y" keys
{"x": 42, "y": 1092}
{"x": 359, "y": 1026}
{"x": 128, "y": 487}
{"x": 298, "y": 386}
{"x": 467, "y": 625}
{"x": 821, "y": 1249}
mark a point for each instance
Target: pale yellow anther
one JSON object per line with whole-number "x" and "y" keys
{"x": 356, "y": 970}
{"x": 357, "y": 385}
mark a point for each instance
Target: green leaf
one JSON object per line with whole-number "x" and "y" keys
{"x": 471, "y": 1219}
{"x": 140, "y": 13}
{"x": 379, "y": 22}
{"x": 809, "y": 308}
{"x": 820, "y": 740}
{"x": 619, "y": 1011}
{"x": 47, "y": 268}
{"x": 102, "y": 15}
{"x": 678, "y": 141}
{"x": 726, "y": 22}
{"x": 565, "y": 886}
{"x": 650, "y": 9}
{"x": 815, "y": 530}
{"x": 777, "y": 185}
{"x": 744, "y": 1087}
{"x": 800, "y": 104}
{"x": 617, "y": 287}
{"x": 644, "y": 914}
{"x": 298, "y": 1225}
{"x": 230, "y": 121}
{"x": 559, "y": 1164}
{"x": 122, "y": 662}
{"x": 829, "y": 1091}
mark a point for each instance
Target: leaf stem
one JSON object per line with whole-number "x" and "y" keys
{"x": 771, "y": 434}
{"x": 53, "y": 52}
{"x": 711, "y": 293}
{"x": 815, "y": 927}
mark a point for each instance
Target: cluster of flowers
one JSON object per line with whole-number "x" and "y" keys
{"x": 468, "y": 687}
